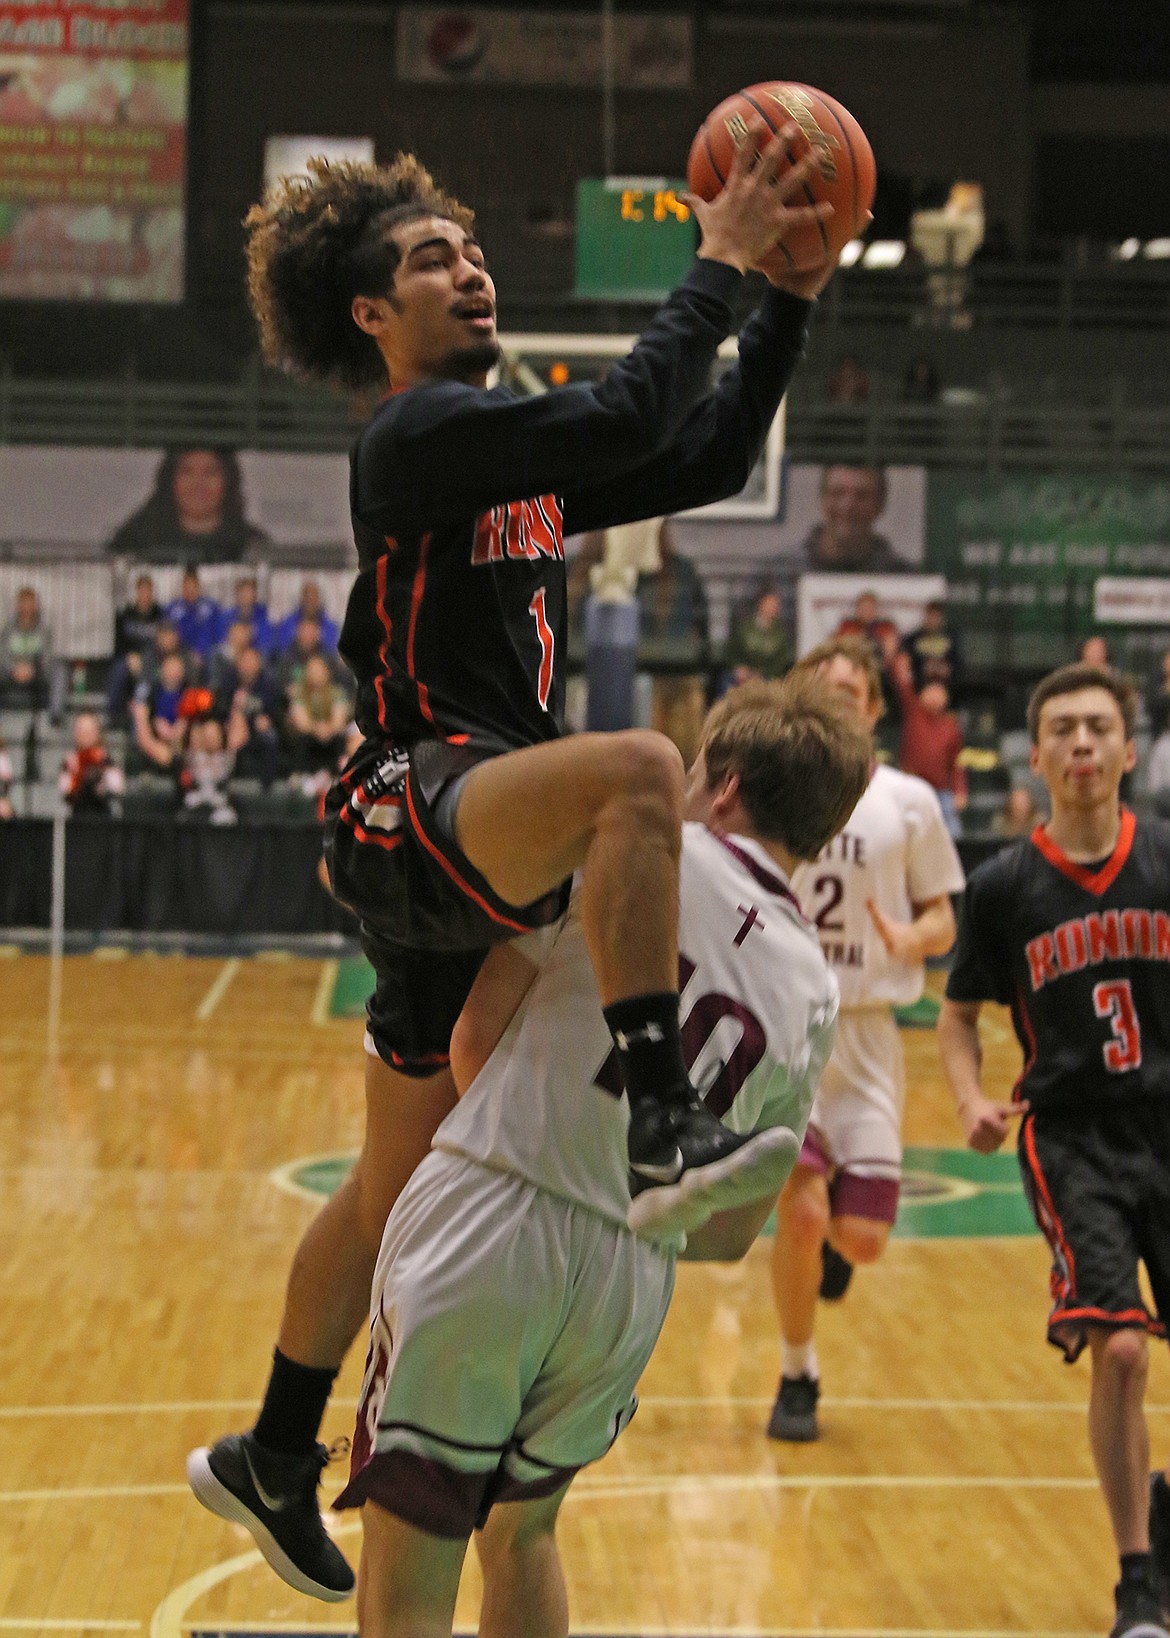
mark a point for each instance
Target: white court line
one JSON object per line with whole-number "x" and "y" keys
{"x": 13, "y": 1623}
{"x": 324, "y": 995}
{"x": 184, "y": 1407}
{"x": 216, "y": 993}
{"x": 95, "y": 1493}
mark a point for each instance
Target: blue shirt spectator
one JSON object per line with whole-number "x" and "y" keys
{"x": 196, "y": 617}
{"x": 249, "y": 611}
{"x": 310, "y": 607}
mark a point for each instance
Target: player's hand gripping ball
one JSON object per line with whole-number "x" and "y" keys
{"x": 845, "y": 173}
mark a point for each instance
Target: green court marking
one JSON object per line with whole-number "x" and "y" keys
{"x": 957, "y": 1194}
{"x": 352, "y": 988}
{"x": 921, "y": 1014}
{"x": 947, "y": 1194}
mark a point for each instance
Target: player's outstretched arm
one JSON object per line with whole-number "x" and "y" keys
{"x": 985, "y": 1124}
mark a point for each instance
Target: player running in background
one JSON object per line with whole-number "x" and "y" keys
{"x": 513, "y": 1310}
{"x": 1071, "y": 930}
{"x": 462, "y": 817}
{"x": 879, "y": 895}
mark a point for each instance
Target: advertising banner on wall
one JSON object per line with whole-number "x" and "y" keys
{"x": 1032, "y": 547}
{"x": 93, "y": 144}
{"x": 439, "y": 45}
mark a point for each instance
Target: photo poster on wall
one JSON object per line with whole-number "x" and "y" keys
{"x": 828, "y": 602}
{"x": 93, "y": 149}
{"x": 85, "y": 499}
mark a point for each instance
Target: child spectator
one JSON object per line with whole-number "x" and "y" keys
{"x": 318, "y": 715}
{"x": 154, "y": 713}
{"x": 223, "y": 665}
{"x": 90, "y": 780}
{"x": 309, "y": 607}
{"x": 934, "y": 648}
{"x": 758, "y": 645}
{"x": 206, "y": 769}
{"x": 195, "y": 616}
{"x": 253, "y": 713}
{"x": 931, "y": 740}
{"x": 248, "y": 610}
{"x": 290, "y": 664}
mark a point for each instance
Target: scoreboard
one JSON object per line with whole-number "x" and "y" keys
{"x": 635, "y": 238}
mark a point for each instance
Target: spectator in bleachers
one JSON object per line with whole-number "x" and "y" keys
{"x": 933, "y": 647}
{"x": 195, "y": 616}
{"x": 1019, "y": 814}
{"x": 844, "y": 540}
{"x": 318, "y": 715}
{"x": 154, "y": 714}
{"x": 7, "y": 780}
{"x": 252, "y": 717}
{"x": 1158, "y": 696}
{"x": 223, "y": 666}
{"x": 920, "y": 384}
{"x": 867, "y": 621}
{"x": 758, "y": 645}
{"x": 194, "y": 515}
{"x": 849, "y": 381}
{"x": 206, "y": 768}
{"x": 90, "y": 780}
{"x": 310, "y": 606}
{"x": 1095, "y": 651}
{"x": 135, "y": 629}
{"x": 30, "y": 676}
{"x": 931, "y": 740}
{"x": 673, "y": 610}
{"x": 289, "y": 666}
{"x": 248, "y": 610}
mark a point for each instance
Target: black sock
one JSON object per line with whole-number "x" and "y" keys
{"x": 645, "y": 1031}
{"x": 294, "y": 1403}
{"x": 1137, "y": 1570}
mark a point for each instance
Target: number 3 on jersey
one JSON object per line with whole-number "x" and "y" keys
{"x": 1115, "y": 1002}
{"x": 547, "y": 641}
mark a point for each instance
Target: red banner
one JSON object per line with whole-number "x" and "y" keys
{"x": 150, "y": 29}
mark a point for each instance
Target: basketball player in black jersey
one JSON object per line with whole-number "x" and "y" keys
{"x": 1071, "y": 930}
{"x": 462, "y": 817}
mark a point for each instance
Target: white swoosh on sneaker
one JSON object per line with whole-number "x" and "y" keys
{"x": 274, "y": 1504}
{"x": 670, "y": 1173}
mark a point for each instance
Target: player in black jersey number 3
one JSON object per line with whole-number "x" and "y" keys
{"x": 1071, "y": 930}
{"x": 465, "y": 812}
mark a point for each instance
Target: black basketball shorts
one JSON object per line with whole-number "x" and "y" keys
{"x": 427, "y": 916}
{"x": 1098, "y": 1181}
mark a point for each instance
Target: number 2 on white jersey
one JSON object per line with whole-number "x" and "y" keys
{"x": 1114, "y": 1000}
{"x": 547, "y": 643}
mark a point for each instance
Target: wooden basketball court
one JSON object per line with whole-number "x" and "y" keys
{"x": 145, "y": 1247}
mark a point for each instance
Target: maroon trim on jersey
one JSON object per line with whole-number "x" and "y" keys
{"x": 463, "y": 886}
{"x": 766, "y": 879}
{"x": 874, "y": 1198}
{"x": 416, "y": 597}
{"x": 813, "y": 1153}
{"x": 1093, "y": 881}
{"x": 428, "y": 1494}
{"x": 383, "y": 614}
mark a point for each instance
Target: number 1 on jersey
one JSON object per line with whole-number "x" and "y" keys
{"x": 1114, "y": 1001}
{"x": 545, "y": 634}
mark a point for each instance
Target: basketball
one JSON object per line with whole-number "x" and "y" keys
{"x": 845, "y": 175}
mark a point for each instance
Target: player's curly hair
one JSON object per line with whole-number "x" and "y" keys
{"x": 313, "y": 246}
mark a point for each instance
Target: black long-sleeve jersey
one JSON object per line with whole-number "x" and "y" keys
{"x": 461, "y": 498}
{"x": 1080, "y": 955}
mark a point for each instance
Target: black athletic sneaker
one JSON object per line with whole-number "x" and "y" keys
{"x": 794, "y": 1415}
{"x": 836, "y": 1273}
{"x": 1160, "y": 1538}
{"x": 685, "y": 1165}
{"x": 1138, "y": 1614}
{"x": 275, "y": 1497}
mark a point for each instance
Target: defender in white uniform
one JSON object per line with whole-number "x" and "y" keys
{"x": 513, "y": 1309}
{"x": 879, "y": 896}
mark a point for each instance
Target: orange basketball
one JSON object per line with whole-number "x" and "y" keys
{"x": 845, "y": 175}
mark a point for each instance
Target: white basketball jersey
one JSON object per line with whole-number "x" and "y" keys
{"x": 758, "y": 1007}
{"x": 895, "y": 850}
